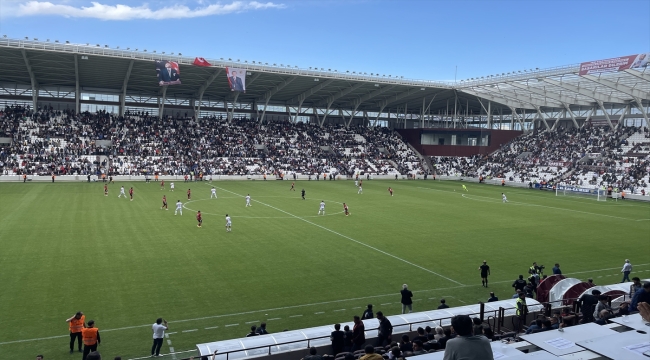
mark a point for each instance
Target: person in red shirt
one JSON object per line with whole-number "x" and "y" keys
{"x": 345, "y": 208}
{"x": 131, "y": 193}
{"x": 189, "y": 194}
{"x": 185, "y": 178}
{"x": 105, "y": 190}
{"x": 164, "y": 205}
{"x": 199, "y": 218}
{"x": 390, "y": 190}
{"x": 162, "y": 184}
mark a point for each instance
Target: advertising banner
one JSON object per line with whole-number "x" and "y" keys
{"x": 615, "y": 64}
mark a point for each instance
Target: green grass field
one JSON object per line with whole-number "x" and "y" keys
{"x": 66, "y": 247}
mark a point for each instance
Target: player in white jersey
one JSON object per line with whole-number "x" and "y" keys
{"x": 171, "y": 186}
{"x": 504, "y": 198}
{"x": 248, "y": 200}
{"x": 179, "y": 208}
{"x": 321, "y": 210}
{"x": 228, "y": 224}
{"x": 356, "y": 183}
{"x": 122, "y": 193}
{"x": 213, "y": 193}
{"x": 360, "y": 190}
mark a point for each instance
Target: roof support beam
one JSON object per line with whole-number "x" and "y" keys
{"x": 331, "y": 99}
{"x": 609, "y": 121}
{"x": 639, "y": 74}
{"x": 618, "y": 87}
{"x": 77, "y": 93}
{"x": 199, "y": 93}
{"x": 302, "y": 97}
{"x": 592, "y": 94}
{"x": 32, "y": 77}
{"x": 542, "y": 116}
{"x": 272, "y": 92}
{"x": 161, "y": 107}
{"x": 366, "y": 97}
{"x": 401, "y": 96}
{"x": 559, "y": 97}
{"x": 639, "y": 105}
{"x": 519, "y": 97}
{"x": 124, "y": 86}
{"x": 516, "y": 117}
{"x": 500, "y": 99}
{"x": 573, "y": 117}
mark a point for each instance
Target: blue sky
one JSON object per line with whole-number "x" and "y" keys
{"x": 415, "y": 39}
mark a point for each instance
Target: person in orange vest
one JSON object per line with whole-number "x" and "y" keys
{"x": 24, "y": 177}
{"x": 623, "y": 195}
{"x": 91, "y": 339}
{"x": 52, "y": 177}
{"x": 503, "y": 182}
{"x": 76, "y": 323}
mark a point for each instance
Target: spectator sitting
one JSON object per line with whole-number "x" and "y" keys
{"x": 313, "y": 354}
{"x": 478, "y": 326}
{"x": 443, "y": 304}
{"x": 547, "y": 325}
{"x": 421, "y": 336}
{"x": 601, "y": 305}
{"x": 253, "y": 331}
{"x": 262, "y": 329}
{"x": 406, "y": 344}
{"x": 642, "y": 295}
{"x": 467, "y": 346}
{"x": 536, "y": 327}
{"x": 439, "y": 333}
{"x": 442, "y": 342}
{"x": 395, "y": 354}
{"x": 370, "y": 354}
{"x": 418, "y": 348}
{"x": 636, "y": 286}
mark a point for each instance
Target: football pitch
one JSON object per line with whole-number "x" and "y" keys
{"x": 66, "y": 247}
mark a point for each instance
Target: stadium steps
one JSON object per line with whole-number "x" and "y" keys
{"x": 423, "y": 160}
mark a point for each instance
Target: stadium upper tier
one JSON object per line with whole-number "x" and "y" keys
{"x": 62, "y": 71}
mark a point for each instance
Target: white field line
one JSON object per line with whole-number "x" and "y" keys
{"x": 304, "y": 305}
{"x": 171, "y": 348}
{"x": 351, "y": 239}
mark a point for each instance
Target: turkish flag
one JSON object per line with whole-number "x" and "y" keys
{"x": 199, "y": 61}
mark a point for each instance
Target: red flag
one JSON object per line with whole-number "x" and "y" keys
{"x": 199, "y": 61}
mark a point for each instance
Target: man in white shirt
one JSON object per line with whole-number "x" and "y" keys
{"x": 504, "y": 198}
{"x": 627, "y": 269}
{"x": 171, "y": 186}
{"x": 321, "y": 210}
{"x": 248, "y": 200}
{"x": 179, "y": 208}
{"x": 158, "y": 335}
{"x": 228, "y": 224}
{"x": 213, "y": 193}
{"x": 360, "y": 190}
{"x": 122, "y": 193}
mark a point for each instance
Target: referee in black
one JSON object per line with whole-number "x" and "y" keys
{"x": 303, "y": 194}
{"x": 485, "y": 271}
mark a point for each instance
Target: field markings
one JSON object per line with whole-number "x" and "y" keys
{"x": 171, "y": 348}
{"x": 351, "y": 239}
{"x": 293, "y": 316}
{"x": 305, "y": 305}
{"x": 211, "y": 327}
{"x": 494, "y": 200}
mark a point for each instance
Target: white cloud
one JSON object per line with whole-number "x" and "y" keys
{"x": 126, "y": 12}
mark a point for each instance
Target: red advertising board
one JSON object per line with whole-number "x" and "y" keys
{"x": 615, "y": 64}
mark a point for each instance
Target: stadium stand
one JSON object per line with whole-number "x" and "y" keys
{"x": 48, "y": 141}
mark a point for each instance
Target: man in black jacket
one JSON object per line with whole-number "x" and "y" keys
{"x": 406, "y": 299}
{"x": 384, "y": 336}
{"x": 338, "y": 340}
{"x": 587, "y": 305}
{"x": 520, "y": 283}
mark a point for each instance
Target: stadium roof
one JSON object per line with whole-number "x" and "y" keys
{"x": 101, "y": 69}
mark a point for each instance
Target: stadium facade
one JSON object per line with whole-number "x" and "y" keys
{"x": 95, "y": 77}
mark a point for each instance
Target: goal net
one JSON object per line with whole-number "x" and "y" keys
{"x": 595, "y": 194}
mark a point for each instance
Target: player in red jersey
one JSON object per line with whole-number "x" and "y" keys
{"x": 131, "y": 193}
{"x": 164, "y": 203}
{"x": 292, "y": 188}
{"x": 390, "y": 190}
{"x": 345, "y": 208}
{"x": 105, "y": 190}
{"x": 162, "y": 184}
{"x": 199, "y": 218}
{"x": 189, "y": 194}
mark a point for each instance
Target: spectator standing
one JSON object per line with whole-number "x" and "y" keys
{"x": 91, "y": 339}
{"x": 385, "y": 332}
{"x": 407, "y": 300}
{"x": 368, "y": 314}
{"x": 556, "y": 270}
{"x": 587, "y": 305}
{"x": 158, "y": 329}
{"x": 338, "y": 340}
{"x": 466, "y": 345}
{"x": 358, "y": 334}
{"x": 76, "y": 324}
{"x": 348, "y": 336}
{"x": 253, "y": 332}
{"x": 262, "y": 329}
{"x": 443, "y": 304}
{"x": 626, "y": 270}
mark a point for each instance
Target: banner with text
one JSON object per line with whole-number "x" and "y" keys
{"x": 168, "y": 72}
{"x": 236, "y": 79}
{"x": 615, "y": 64}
